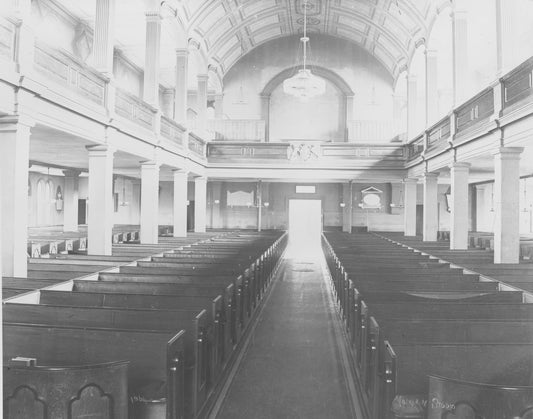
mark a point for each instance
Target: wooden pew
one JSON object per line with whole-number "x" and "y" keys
{"x": 218, "y": 308}
{"x": 199, "y": 340}
{"x": 230, "y": 293}
{"x": 154, "y": 356}
{"x": 39, "y": 392}
{"x": 464, "y": 399}
{"x": 243, "y": 285}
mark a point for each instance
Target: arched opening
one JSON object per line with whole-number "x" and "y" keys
{"x": 44, "y": 200}
{"x": 321, "y": 118}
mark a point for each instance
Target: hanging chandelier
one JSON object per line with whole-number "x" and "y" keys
{"x": 304, "y": 84}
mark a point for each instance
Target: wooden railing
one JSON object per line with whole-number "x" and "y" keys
{"x": 439, "y": 133}
{"x": 197, "y": 145}
{"x": 134, "y": 109}
{"x": 7, "y": 40}
{"x": 517, "y": 85}
{"x": 171, "y": 130}
{"x": 296, "y": 152}
{"x": 371, "y": 131}
{"x": 477, "y": 109}
{"x": 415, "y": 147}
{"x": 515, "y": 89}
{"x": 71, "y": 73}
{"x": 236, "y": 129}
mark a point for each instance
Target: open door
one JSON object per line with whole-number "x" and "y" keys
{"x": 305, "y": 223}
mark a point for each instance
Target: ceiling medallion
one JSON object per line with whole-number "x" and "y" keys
{"x": 304, "y": 85}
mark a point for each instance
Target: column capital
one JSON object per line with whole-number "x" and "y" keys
{"x": 99, "y": 150}
{"x": 430, "y": 176}
{"x": 10, "y": 122}
{"x": 410, "y": 181}
{"x": 459, "y": 14}
{"x": 200, "y": 178}
{"x": 153, "y": 16}
{"x": 150, "y": 164}
{"x": 460, "y": 166}
{"x": 431, "y": 53}
{"x": 182, "y": 52}
{"x": 203, "y": 77}
{"x": 71, "y": 173}
{"x": 509, "y": 153}
{"x": 411, "y": 77}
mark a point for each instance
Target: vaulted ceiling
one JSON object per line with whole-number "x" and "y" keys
{"x": 388, "y": 29}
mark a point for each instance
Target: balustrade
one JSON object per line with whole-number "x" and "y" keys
{"x": 70, "y": 73}
{"x": 371, "y": 131}
{"x": 172, "y": 130}
{"x": 237, "y": 129}
{"x": 7, "y": 40}
{"x": 517, "y": 85}
{"x": 134, "y": 109}
{"x": 197, "y": 145}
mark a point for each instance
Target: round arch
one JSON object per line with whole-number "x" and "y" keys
{"x": 325, "y": 73}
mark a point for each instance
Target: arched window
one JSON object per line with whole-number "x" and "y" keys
{"x": 44, "y": 202}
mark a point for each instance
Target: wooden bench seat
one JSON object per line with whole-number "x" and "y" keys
{"x": 85, "y": 268}
{"x": 153, "y": 356}
{"x": 230, "y": 292}
{"x": 98, "y": 391}
{"x": 199, "y": 336}
{"x": 416, "y": 285}
{"x": 220, "y": 309}
{"x": 481, "y": 400}
{"x": 54, "y": 276}
{"x": 11, "y": 292}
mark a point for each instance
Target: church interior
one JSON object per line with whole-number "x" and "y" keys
{"x": 230, "y": 209}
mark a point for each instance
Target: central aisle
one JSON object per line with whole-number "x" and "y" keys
{"x": 292, "y": 367}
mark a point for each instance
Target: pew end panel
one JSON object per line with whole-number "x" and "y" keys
{"x": 36, "y": 392}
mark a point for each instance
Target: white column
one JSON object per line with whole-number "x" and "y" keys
{"x": 507, "y": 205}
{"x": 411, "y": 106}
{"x": 103, "y": 43}
{"x": 14, "y": 159}
{"x": 482, "y": 206}
{"x": 70, "y": 200}
{"x": 100, "y": 205}
{"x": 151, "y": 62}
{"x": 180, "y": 203}
{"x": 432, "y": 94}
{"x": 506, "y": 42}
{"x": 460, "y": 55}
{"x": 410, "y": 200}
{"x": 347, "y": 211}
{"x": 149, "y": 202}
{"x": 25, "y": 37}
{"x": 200, "y": 204}
{"x": 219, "y": 106}
{"x": 202, "y": 100}
{"x": 459, "y": 206}
{"x": 259, "y": 205}
{"x": 431, "y": 207}
{"x": 180, "y": 99}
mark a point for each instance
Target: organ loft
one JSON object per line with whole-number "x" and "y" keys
{"x": 266, "y": 209}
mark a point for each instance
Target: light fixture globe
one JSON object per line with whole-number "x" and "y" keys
{"x": 304, "y": 85}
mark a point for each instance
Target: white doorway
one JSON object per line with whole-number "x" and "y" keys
{"x": 305, "y": 225}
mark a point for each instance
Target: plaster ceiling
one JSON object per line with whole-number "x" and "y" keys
{"x": 387, "y": 29}
{"x": 227, "y": 30}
